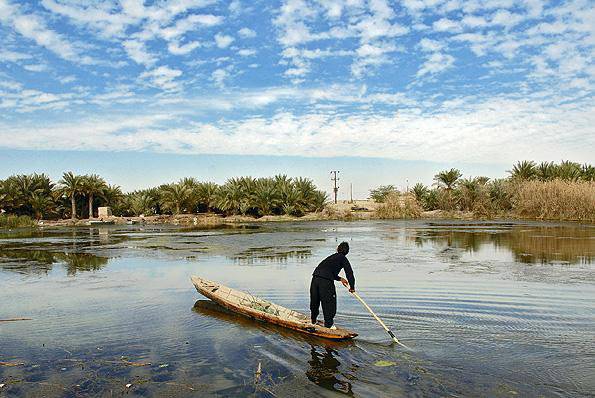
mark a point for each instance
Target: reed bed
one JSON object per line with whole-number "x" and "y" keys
{"x": 555, "y": 200}
{"x": 396, "y": 206}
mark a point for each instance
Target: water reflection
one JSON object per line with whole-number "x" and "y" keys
{"x": 42, "y": 261}
{"x": 324, "y": 370}
{"x": 271, "y": 254}
{"x": 530, "y": 245}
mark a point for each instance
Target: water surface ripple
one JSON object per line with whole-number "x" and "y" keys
{"x": 487, "y": 309}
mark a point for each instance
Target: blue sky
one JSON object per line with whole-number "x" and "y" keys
{"x": 294, "y": 86}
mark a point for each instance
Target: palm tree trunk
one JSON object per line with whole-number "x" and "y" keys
{"x": 91, "y": 206}
{"x": 177, "y": 208}
{"x": 72, "y": 207}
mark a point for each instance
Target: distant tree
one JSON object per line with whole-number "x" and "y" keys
{"x": 447, "y": 179}
{"x": 587, "y": 172}
{"x": 92, "y": 186}
{"x": 380, "y": 194}
{"x": 567, "y": 170}
{"x": 71, "y": 185}
{"x": 420, "y": 191}
{"x": 545, "y": 171}
{"x": 173, "y": 196}
{"x": 523, "y": 170}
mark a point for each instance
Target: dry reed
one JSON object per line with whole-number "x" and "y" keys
{"x": 397, "y": 206}
{"x": 555, "y": 200}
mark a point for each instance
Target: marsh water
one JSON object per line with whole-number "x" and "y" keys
{"x": 486, "y": 309}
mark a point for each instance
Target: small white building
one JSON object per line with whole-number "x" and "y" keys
{"x": 104, "y": 211}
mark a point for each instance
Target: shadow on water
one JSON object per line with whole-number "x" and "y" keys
{"x": 324, "y": 370}
{"x": 529, "y": 245}
{"x": 324, "y": 367}
{"x": 211, "y": 309}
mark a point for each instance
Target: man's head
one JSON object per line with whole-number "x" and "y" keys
{"x": 343, "y": 248}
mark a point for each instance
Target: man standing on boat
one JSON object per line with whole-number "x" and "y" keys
{"x": 322, "y": 288}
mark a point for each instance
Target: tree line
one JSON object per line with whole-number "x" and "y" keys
{"x": 36, "y": 195}
{"x": 527, "y": 182}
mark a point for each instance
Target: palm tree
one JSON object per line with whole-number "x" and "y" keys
{"x": 447, "y": 179}
{"x": 318, "y": 201}
{"x": 545, "y": 171}
{"x": 41, "y": 204}
{"x": 568, "y": 170}
{"x": 523, "y": 170}
{"x": 230, "y": 197}
{"x": 265, "y": 196}
{"x": 141, "y": 202}
{"x": 112, "y": 194}
{"x": 420, "y": 191}
{"x": 587, "y": 172}
{"x": 93, "y": 185}
{"x": 174, "y": 196}
{"x": 71, "y": 185}
{"x": 207, "y": 194}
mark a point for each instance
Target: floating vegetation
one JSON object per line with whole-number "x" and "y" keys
{"x": 383, "y": 363}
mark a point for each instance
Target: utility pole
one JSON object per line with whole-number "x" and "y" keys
{"x": 335, "y": 179}
{"x": 351, "y": 190}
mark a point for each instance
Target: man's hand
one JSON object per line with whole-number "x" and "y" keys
{"x": 344, "y": 282}
{"x": 351, "y": 290}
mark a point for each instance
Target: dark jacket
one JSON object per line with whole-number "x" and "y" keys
{"x": 330, "y": 267}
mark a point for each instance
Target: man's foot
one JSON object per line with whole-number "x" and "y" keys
{"x": 333, "y": 327}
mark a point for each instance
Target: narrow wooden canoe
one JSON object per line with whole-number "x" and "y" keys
{"x": 256, "y": 308}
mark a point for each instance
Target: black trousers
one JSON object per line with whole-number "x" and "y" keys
{"x": 323, "y": 291}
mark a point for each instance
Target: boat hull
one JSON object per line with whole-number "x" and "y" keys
{"x": 262, "y": 310}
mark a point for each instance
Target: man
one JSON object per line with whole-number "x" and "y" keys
{"x": 322, "y": 288}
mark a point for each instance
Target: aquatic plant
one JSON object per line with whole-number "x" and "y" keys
{"x": 12, "y": 221}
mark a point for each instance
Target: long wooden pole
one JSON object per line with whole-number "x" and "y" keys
{"x": 357, "y": 296}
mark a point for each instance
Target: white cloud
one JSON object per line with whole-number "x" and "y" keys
{"x": 163, "y": 77}
{"x": 13, "y": 56}
{"x": 34, "y": 28}
{"x": 472, "y": 133}
{"x": 246, "y": 33}
{"x": 246, "y": 52}
{"x": 446, "y": 25}
{"x": 223, "y": 41}
{"x": 430, "y": 45}
{"x": 436, "y": 62}
{"x": 138, "y": 52}
{"x": 219, "y": 76}
{"x": 178, "y": 49}
{"x": 35, "y": 67}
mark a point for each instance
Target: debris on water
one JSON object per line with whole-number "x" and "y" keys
{"x": 164, "y": 365}
{"x": 15, "y": 319}
{"x": 2, "y": 385}
{"x": 128, "y": 385}
{"x": 63, "y": 369}
{"x": 258, "y": 373}
{"x": 11, "y": 364}
{"x": 129, "y": 363}
{"x": 383, "y": 363}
